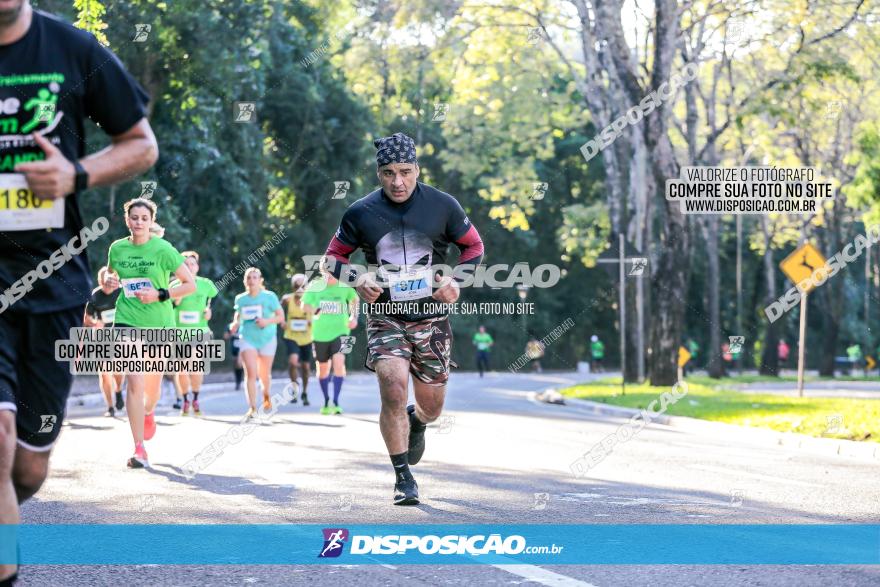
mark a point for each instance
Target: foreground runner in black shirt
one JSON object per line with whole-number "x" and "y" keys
{"x": 52, "y": 76}
{"x": 405, "y": 228}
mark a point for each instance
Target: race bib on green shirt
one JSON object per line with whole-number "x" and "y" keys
{"x": 135, "y": 284}
{"x": 330, "y": 307}
{"x": 189, "y": 317}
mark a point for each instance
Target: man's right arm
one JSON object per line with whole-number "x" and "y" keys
{"x": 129, "y": 154}
{"x": 346, "y": 240}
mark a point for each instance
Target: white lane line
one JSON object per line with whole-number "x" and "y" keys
{"x": 542, "y": 576}
{"x": 754, "y": 476}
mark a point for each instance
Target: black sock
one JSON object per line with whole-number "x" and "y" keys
{"x": 9, "y": 581}
{"x": 401, "y": 466}
{"x": 186, "y": 397}
{"x": 195, "y": 396}
{"x": 415, "y": 423}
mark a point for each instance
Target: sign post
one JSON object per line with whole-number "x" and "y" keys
{"x": 625, "y": 254}
{"x": 799, "y": 267}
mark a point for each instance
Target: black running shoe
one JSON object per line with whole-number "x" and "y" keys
{"x": 305, "y": 399}
{"x": 416, "y": 437}
{"x": 406, "y": 491}
{"x": 120, "y": 403}
{"x": 177, "y": 405}
{"x": 110, "y": 412}
{"x": 293, "y": 399}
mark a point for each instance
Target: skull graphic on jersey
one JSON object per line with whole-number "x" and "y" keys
{"x": 403, "y": 250}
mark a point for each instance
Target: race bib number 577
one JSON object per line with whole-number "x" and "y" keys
{"x": 21, "y": 209}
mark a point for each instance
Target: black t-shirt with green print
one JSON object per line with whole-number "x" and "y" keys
{"x": 51, "y": 80}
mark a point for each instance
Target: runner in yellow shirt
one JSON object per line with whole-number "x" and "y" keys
{"x": 298, "y": 336}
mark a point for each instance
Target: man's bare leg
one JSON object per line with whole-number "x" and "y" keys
{"x": 107, "y": 382}
{"x": 393, "y": 374}
{"x": 29, "y": 472}
{"x": 8, "y": 501}
{"x": 429, "y": 400}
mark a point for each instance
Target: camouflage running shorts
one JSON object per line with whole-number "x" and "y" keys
{"x": 426, "y": 344}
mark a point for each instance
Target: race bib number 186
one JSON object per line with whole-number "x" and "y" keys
{"x": 21, "y": 209}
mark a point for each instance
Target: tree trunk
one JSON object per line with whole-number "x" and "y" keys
{"x": 831, "y": 300}
{"x": 715, "y": 366}
{"x": 769, "y": 355}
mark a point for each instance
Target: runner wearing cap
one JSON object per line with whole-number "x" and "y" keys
{"x": 405, "y": 228}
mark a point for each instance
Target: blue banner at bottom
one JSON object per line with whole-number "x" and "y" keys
{"x": 220, "y": 544}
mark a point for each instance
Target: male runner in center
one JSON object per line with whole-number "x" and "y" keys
{"x": 406, "y": 226}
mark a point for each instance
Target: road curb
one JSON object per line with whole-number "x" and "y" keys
{"x": 825, "y": 446}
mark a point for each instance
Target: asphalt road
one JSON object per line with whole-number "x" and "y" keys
{"x": 496, "y": 456}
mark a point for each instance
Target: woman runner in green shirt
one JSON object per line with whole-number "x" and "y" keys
{"x": 143, "y": 262}
{"x": 193, "y": 312}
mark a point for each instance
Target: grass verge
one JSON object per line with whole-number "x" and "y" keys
{"x": 708, "y": 399}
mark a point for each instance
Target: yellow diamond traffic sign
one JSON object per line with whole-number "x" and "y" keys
{"x": 799, "y": 265}
{"x": 683, "y": 356}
